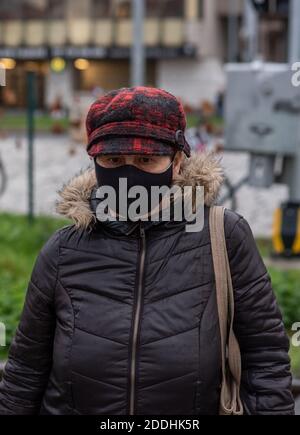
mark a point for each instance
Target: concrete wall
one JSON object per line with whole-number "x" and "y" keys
{"x": 195, "y": 80}
{"x": 59, "y": 84}
{"x": 191, "y": 80}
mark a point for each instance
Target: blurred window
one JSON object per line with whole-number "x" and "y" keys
{"x": 272, "y": 7}
{"x": 153, "y": 8}
{"x": 122, "y": 8}
{"x": 57, "y": 9}
{"x": 201, "y": 9}
{"x": 110, "y": 8}
{"x": 11, "y": 9}
{"x": 165, "y": 8}
{"x": 102, "y": 8}
{"x": 34, "y": 9}
{"x": 283, "y": 6}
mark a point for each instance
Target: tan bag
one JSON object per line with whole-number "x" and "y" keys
{"x": 230, "y": 402}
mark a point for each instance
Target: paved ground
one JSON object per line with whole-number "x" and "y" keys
{"x": 54, "y": 165}
{"x": 283, "y": 264}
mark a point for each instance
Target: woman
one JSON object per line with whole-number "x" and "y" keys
{"x": 120, "y": 316}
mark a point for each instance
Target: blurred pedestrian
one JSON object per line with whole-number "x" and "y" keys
{"x": 57, "y": 114}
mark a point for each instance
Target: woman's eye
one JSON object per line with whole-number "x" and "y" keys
{"x": 114, "y": 160}
{"x": 145, "y": 160}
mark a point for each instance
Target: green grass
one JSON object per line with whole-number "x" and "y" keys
{"x": 193, "y": 121}
{"x": 295, "y": 360}
{"x": 18, "y": 122}
{"x": 286, "y": 285}
{"x": 20, "y": 244}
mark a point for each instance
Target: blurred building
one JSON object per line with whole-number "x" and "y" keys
{"x": 274, "y": 32}
{"x": 80, "y": 45}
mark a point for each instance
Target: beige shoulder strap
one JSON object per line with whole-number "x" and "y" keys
{"x": 230, "y": 402}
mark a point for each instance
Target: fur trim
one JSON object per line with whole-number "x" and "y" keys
{"x": 74, "y": 199}
{"x": 202, "y": 169}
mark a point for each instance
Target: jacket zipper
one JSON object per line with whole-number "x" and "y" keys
{"x": 136, "y": 321}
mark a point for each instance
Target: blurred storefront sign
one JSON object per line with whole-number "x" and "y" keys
{"x": 24, "y": 53}
{"x": 87, "y": 52}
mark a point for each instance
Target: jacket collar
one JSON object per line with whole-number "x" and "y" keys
{"x": 76, "y": 198}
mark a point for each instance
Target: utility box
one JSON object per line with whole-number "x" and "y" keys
{"x": 262, "y": 114}
{"x": 262, "y": 109}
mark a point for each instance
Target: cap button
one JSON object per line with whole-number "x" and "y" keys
{"x": 179, "y": 139}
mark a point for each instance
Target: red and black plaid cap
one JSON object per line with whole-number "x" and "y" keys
{"x": 138, "y": 120}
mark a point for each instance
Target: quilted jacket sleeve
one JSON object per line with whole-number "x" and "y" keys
{"x": 27, "y": 369}
{"x": 266, "y": 377}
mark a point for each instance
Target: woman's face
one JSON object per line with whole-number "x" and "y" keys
{"x": 149, "y": 163}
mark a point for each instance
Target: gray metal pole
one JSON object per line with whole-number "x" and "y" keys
{"x": 293, "y": 173}
{"x": 251, "y": 30}
{"x": 233, "y": 32}
{"x": 138, "y": 48}
{"x": 294, "y": 31}
{"x": 294, "y": 178}
{"x": 30, "y": 135}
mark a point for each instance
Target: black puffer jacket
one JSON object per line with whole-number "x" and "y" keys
{"x": 127, "y": 324}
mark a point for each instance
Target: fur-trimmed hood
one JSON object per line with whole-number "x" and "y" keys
{"x": 201, "y": 169}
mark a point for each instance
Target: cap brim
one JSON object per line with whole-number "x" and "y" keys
{"x": 131, "y": 145}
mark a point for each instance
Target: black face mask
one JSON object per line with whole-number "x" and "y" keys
{"x": 135, "y": 177}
